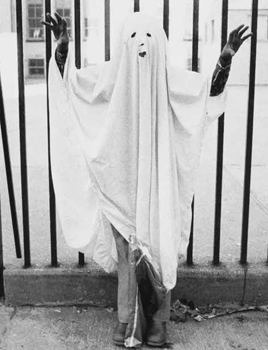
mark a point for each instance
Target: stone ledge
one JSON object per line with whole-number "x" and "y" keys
{"x": 71, "y": 285}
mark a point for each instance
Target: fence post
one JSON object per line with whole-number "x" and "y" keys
{"x": 77, "y": 42}
{"x": 166, "y": 17}
{"x": 220, "y": 144}
{"x": 251, "y": 97}
{"x": 195, "y": 38}
{"x": 9, "y": 176}
{"x": 107, "y": 29}
{"x": 23, "y": 148}
{"x": 52, "y": 200}
{"x": 136, "y": 5}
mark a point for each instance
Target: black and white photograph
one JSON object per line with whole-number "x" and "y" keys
{"x": 133, "y": 174}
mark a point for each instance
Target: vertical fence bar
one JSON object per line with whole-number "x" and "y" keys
{"x": 77, "y": 43}
{"x": 166, "y": 17}
{"x": 251, "y": 98}
{"x": 52, "y": 201}
{"x": 220, "y": 144}
{"x": 23, "y": 150}
{"x": 9, "y": 176}
{"x": 195, "y": 39}
{"x": 6, "y": 149}
{"x": 77, "y": 33}
{"x": 191, "y": 239}
{"x": 107, "y": 33}
{"x": 195, "y": 36}
{"x": 136, "y": 5}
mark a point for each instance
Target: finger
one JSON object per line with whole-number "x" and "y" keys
{"x": 64, "y": 23}
{"x": 246, "y": 37}
{"x": 51, "y": 19}
{"x": 58, "y": 17}
{"x": 238, "y": 28}
{"x": 47, "y": 24}
{"x": 243, "y": 31}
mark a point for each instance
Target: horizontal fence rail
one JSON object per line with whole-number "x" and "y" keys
{"x": 107, "y": 55}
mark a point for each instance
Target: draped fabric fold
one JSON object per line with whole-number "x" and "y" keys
{"x": 126, "y": 138}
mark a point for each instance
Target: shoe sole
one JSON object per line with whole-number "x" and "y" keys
{"x": 119, "y": 343}
{"x": 157, "y": 345}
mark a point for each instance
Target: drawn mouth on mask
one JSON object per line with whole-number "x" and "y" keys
{"x": 142, "y": 54}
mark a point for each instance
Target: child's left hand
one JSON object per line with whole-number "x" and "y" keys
{"x": 234, "y": 42}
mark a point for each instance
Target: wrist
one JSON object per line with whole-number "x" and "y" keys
{"x": 62, "y": 47}
{"x": 225, "y": 61}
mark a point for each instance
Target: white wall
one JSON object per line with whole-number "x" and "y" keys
{"x": 5, "y": 18}
{"x": 239, "y": 13}
{"x": 8, "y": 64}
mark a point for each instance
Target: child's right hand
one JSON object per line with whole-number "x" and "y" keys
{"x": 234, "y": 42}
{"x": 59, "y": 29}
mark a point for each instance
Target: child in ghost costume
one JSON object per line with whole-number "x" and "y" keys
{"x": 126, "y": 139}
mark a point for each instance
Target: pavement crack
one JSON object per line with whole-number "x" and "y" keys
{"x": 13, "y": 313}
{"x": 6, "y": 328}
{"x": 4, "y": 333}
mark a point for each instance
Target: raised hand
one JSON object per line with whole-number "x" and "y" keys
{"x": 59, "y": 29}
{"x": 234, "y": 42}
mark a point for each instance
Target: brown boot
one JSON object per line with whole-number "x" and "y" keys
{"x": 157, "y": 334}
{"x": 119, "y": 334}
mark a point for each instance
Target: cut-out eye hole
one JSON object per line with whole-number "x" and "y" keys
{"x": 133, "y": 35}
{"x": 148, "y": 34}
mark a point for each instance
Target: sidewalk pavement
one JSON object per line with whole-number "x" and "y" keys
{"x": 73, "y": 328}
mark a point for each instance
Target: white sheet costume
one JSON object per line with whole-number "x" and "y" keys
{"x": 126, "y": 139}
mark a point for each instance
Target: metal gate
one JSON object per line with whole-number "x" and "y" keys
{"x": 23, "y": 154}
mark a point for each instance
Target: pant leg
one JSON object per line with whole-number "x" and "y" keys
{"x": 122, "y": 294}
{"x": 163, "y": 314}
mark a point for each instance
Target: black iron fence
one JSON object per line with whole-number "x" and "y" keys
{"x": 220, "y": 142}
{"x": 10, "y": 191}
